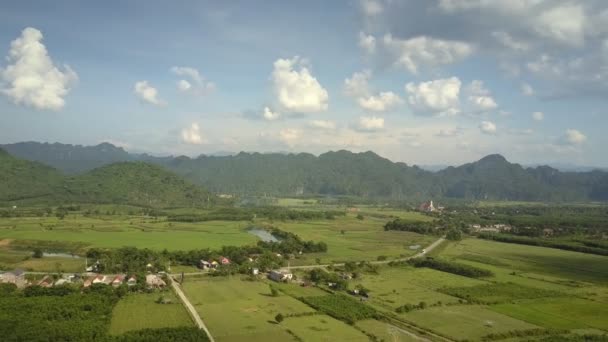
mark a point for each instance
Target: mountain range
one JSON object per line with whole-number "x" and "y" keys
{"x": 333, "y": 173}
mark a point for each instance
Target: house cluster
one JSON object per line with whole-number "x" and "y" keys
{"x": 492, "y": 228}
{"x": 17, "y": 277}
{"x": 213, "y": 264}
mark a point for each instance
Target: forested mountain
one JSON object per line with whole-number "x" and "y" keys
{"x": 136, "y": 183}
{"x": 343, "y": 173}
{"x": 23, "y": 180}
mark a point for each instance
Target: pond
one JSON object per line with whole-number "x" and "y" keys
{"x": 61, "y": 255}
{"x": 264, "y": 235}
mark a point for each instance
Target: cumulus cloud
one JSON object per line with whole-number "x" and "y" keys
{"x": 147, "y": 93}
{"x": 487, "y": 127}
{"x": 289, "y": 136}
{"x": 323, "y": 124}
{"x": 31, "y": 78}
{"x": 509, "y": 42}
{"x": 527, "y": 89}
{"x": 538, "y": 116}
{"x": 480, "y": 97}
{"x": 196, "y": 83}
{"x": 438, "y": 97}
{"x": 192, "y": 134}
{"x": 296, "y": 88}
{"x": 425, "y": 51}
{"x": 357, "y": 85}
{"x": 573, "y": 137}
{"x": 370, "y": 123}
{"x": 381, "y": 102}
{"x": 367, "y": 43}
{"x": 270, "y": 115}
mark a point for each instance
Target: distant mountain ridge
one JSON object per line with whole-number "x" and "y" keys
{"x": 340, "y": 173}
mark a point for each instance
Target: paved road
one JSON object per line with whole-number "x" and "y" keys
{"x": 427, "y": 250}
{"x": 197, "y": 319}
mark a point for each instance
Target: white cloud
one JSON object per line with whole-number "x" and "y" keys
{"x": 357, "y": 84}
{"x": 297, "y": 90}
{"x": 449, "y": 132}
{"x": 527, "y": 89}
{"x": 367, "y": 43}
{"x": 381, "y": 102}
{"x": 565, "y": 24}
{"x": 574, "y": 137}
{"x": 197, "y": 84}
{"x": 487, "y": 127}
{"x": 192, "y": 134}
{"x": 438, "y": 97}
{"x": 323, "y": 124}
{"x": 147, "y": 93}
{"x": 270, "y": 115}
{"x": 184, "y": 85}
{"x": 289, "y": 136}
{"x": 371, "y": 123}
{"x": 371, "y": 7}
{"x": 480, "y": 98}
{"x": 538, "y": 116}
{"x": 425, "y": 51}
{"x": 31, "y": 78}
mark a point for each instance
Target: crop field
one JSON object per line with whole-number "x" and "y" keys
{"x": 236, "y": 310}
{"x": 119, "y": 231}
{"x": 466, "y": 321}
{"x": 140, "y": 311}
{"x": 552, "y": 262}
{"x": 385, "y": 332}
{"x": 397, "y": 286}
{"x": 351, "y": 239}
{"x": 323, "y": 328}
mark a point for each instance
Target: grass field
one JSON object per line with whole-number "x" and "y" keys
{"x": 351, "y": 239}
{"x": 322, "y": 328}
{"x": 20, "y": 259}
{"x": 384, "y": 331}
{"x": 236, "y": 310}
{"x": 140, "y": 311}
{"x": 466, "y": 322}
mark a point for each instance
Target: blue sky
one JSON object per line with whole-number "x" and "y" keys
{"x": 426, "y": 82}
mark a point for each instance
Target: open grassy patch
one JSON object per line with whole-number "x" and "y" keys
{"x": 559, "y": 313}
{"x": 236, "y": 310}
{"x": 385, "y": 332}
{"x": 470, "y": 322}
{"x": 499, "y": 292}
{"x": 140, "y": 311}
{"x": 322, "y": 328}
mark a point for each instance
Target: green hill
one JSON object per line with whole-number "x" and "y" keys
{"x": 134, "y": 183}
{"x": 22, "y": 180}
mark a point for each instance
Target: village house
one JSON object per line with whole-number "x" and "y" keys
{"x": 255, "y": 271}
{"x": 279, "y": 275}
{"x": 46, "y": 281}
{"x": 16, "y": 277}
{"x": 154, "y": 281}
{"x": 225, "y": 261}
{"x": 204, "y": 264}
{"x": 118, "y": 280}
{"x": 99, "y": 279}
{"x": 61, "y": 281}
{"x": 132, "y": 281}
